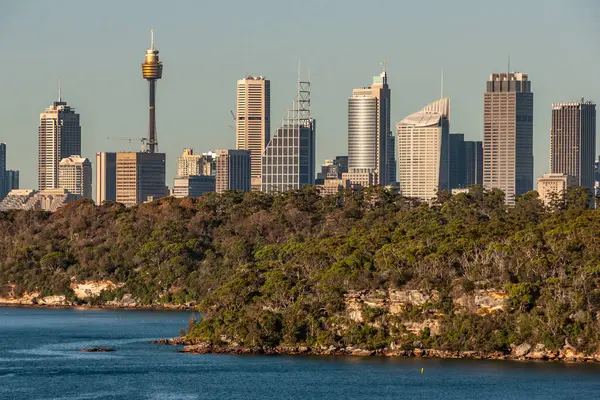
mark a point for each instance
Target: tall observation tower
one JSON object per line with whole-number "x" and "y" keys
{"x": 151, "y": 71}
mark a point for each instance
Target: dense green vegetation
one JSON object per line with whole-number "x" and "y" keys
{"x": 270, "y": 270}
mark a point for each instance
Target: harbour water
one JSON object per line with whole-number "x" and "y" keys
{"x": 40, "y": 358}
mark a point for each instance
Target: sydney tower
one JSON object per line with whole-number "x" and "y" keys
{"x": 152, "y": 70}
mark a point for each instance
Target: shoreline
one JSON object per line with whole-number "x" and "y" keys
{"x": 99, "y": 307}
{"x": 206, "y": 347}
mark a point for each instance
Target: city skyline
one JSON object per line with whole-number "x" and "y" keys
{"x": 332, "y": 75}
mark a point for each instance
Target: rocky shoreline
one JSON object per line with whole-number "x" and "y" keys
{"x": 523, "y": 352}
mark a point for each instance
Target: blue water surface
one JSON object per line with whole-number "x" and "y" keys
{"x": 40, "y": 358}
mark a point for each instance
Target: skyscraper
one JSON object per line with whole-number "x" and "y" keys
{"x": 233, "y": 170}
{"x": 253, "y": 121}
{"x": 152, "y": 71}
{"x": 12, "y": 180}
{"x": 369, "y": 130}
{"x": 573, "y": 142}
{"x": 3, "y": 183}
{"x": 288, "y": 162}
{"x": 140, "y": 177}
{"x": 189, "y": 164}
{"x": 473, "y": 163}
{"x": 508, "y": 134}
{"x": 466, "y": 162}
{"x": 59, "y": 137}
{"x": 106, "y": 177}
{"x": 423, "y": 151}
{"x": 458, "y": 172}
{"x": 75, "y": 175}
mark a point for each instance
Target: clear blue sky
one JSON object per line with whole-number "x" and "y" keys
{"x": 96, "y": 47}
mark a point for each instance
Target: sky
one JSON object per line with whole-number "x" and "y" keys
{"x": 96, "y": 49}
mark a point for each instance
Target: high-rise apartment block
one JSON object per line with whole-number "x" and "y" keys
{"x": 573, "y": 142}
{"x": 59, "y": 137}
{"x": 189, "y": 164}
{"x": 233, "y": 170}
{"x": 253, "y": 121}
{"x": 106, "y": 177}
{"x": 288, "y": 162}
{"x": 466, "y": 162}
{"x": 508, "y": 134}
{"x": 75, "y": 175}
{"x": 369, "y": 131}
{"x": 423, "y": 151}
{"x": 3, "y": 185}
{"x": 140, "y": 177}
{"x": 193, "y": 185}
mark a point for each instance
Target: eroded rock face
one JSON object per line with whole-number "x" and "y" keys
{"x": 482, "y": 301}
{"x": 53, "y": 301}
{"x": 434, "y": 325}
{"x": 394, "y": 301}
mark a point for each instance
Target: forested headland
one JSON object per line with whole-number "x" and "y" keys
{"x": 369, "y": 269}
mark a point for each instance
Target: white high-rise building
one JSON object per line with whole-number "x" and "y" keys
{"x": 75, "y": 175}
{"x": 59, "y": 136}
{"x": 423, "y": 151}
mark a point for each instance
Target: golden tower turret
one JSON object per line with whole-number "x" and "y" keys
{"x": 151, "y": 71}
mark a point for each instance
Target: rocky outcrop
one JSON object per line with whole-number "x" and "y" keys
{"x": 90, "y": 289}
{"x": 482, "y": 301}
{"x": 393, "y": 301}
{"x": 98, "y": 350}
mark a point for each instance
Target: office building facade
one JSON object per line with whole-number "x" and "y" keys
{"x": 508, "y": 134}
{"x": 75, "y": 175}
{"x": 233, "y": 170}
{"x": 59, "y": 136}
{"x": 140, "y": 177}
{"x": 332, "y": 169}
{"x": 106, "y": 177}
{"x": 553, "y": 187}
{"x": 193, "y": 185}
{"x": 466, "y": 162}
{"x": 253, "y": 121}
{"x": 288, "y": 161}
{"x": 189, "y": 164}
{"x": 423, "y": 151}
{"x": 12, "y": 180}
{"x": 573, "y": 142}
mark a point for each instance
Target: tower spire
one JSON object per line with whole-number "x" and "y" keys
{"x": 152, "y": 39}
{"x": 59, "y": 91}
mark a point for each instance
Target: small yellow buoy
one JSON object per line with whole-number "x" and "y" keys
{"x": 422, "y": 370}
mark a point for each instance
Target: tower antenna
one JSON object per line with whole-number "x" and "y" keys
{"x": 508, "y": 74}
{"x": 152, "y": 39}
{"x": 59, "y": 91}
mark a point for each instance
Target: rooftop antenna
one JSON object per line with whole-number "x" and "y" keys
{"x": 59, "y": 91}
{"x": 152, "y": 39}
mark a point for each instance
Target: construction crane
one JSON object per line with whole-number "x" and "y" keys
{"x": 142, "y": 140}
{"x": 234, "y": 121}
